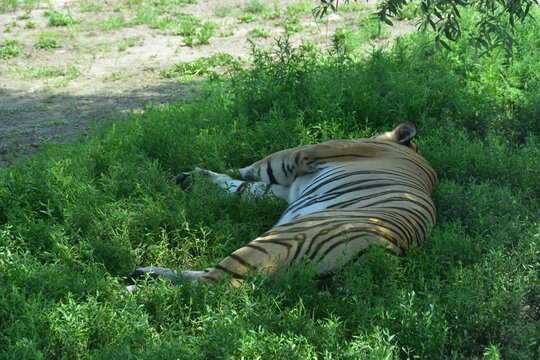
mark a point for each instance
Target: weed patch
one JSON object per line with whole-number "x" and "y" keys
{"x": 59, "y": 19}
{"x": 9, "y": 49}
{"x": 259, "y": 33}
{"x": 114, "y": 22}
{"x": 203, "y": 66}
{"x": 46, "y": 43}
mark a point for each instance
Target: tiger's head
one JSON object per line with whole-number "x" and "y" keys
{"x": 402, "y": 134}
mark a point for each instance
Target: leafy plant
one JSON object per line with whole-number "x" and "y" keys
{"x": 206, "y": 32}
{"x": 188, "y": 40}
{"x": 254, "y": 7}
{"x": 291, "y": 24}
{"x": 204, "y": 65}
{"x": 129, "y": 42}
{"x": 272, "y": 13}
{"x": 46, "y": 43}
{"x": 8, "y": 4}
{"x": 25, "y": 15}
{"x": 494, "y": 27}
{"x": 59, "y": 19}
{"x": 9, "y": 49}
{"x": 188, "y": 25}
{"x": 299, "y": 7}
{"x": 114, "y": 22}
{"x": 222, "y": 10}
{"x": 259, "y": 33}
{"x": 246, "y": 18}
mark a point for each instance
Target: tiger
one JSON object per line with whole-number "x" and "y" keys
{"x": 343, "y": 197}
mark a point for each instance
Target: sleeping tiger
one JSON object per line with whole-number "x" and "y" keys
{"x": 343, "y": 196}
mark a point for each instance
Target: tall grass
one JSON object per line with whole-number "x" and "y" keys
{"x": 75, "y": 219}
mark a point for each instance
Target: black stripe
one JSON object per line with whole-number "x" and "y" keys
{"x": 263, "y": 250}
{"x": 318, "y": 184}
{"x": 429, "y": 175}
{"x": 288, "y": 246}
{"x": 420, "y": 218}
{"x": 363, "y": 234}
{"x": 299, "y": 243}
{"x": 313, "y": 240}
{"x": 371, "y": 196}
{"x": 270, "y": 173}
{"x": 359, "y": 255}
{"x": 225, "y": 270}
{"x": 331, "y": 217}
{"x": 323, "y": 176}
{"x": 336, "y": 237}
{"x": 212, "y": 279}
{"x": 241, "y": 261}
{"x": 335, "y": 157}
{"x": 328, "y": 196}
{"x": 241, "y": 188}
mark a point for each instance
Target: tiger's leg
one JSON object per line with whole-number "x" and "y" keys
{"x": 265, "y": 255}
{"x": 327, "y": 246}
{"x": 250, "y": 189}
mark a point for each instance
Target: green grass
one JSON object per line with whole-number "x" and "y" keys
{"x": 114, "y": 22}
{"x": 272, "y": 13}
{"x": 254, "y": 7}
{"x": 129, "y": 42}
{"x": 75, "y": 219}
{"x": 8, "y": 5}
{"x": 222, "y": 10}
{"x": 68, "y": 72}
{"x": 299, "y": 7}
{"x": 90, "y": 5}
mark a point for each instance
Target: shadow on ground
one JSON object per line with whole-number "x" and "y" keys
{"x": 29, "y": 121}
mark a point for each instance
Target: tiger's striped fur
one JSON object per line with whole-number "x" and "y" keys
{"x": 343, "y": 195}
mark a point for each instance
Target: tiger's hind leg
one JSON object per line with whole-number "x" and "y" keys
{"x": 247, "y": 188}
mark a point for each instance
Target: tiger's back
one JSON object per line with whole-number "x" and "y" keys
{"x": 370, "y": 192}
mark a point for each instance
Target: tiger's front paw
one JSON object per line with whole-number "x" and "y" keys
{"x": 184, "y": 179}
{"x": 153, "y": 272}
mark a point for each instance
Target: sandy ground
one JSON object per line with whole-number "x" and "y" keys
{"x": 36, "y": 109}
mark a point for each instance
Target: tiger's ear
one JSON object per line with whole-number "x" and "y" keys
{"x": 404, "y": 133}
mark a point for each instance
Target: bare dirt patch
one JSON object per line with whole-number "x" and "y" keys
{"x": 110, "y": 56}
